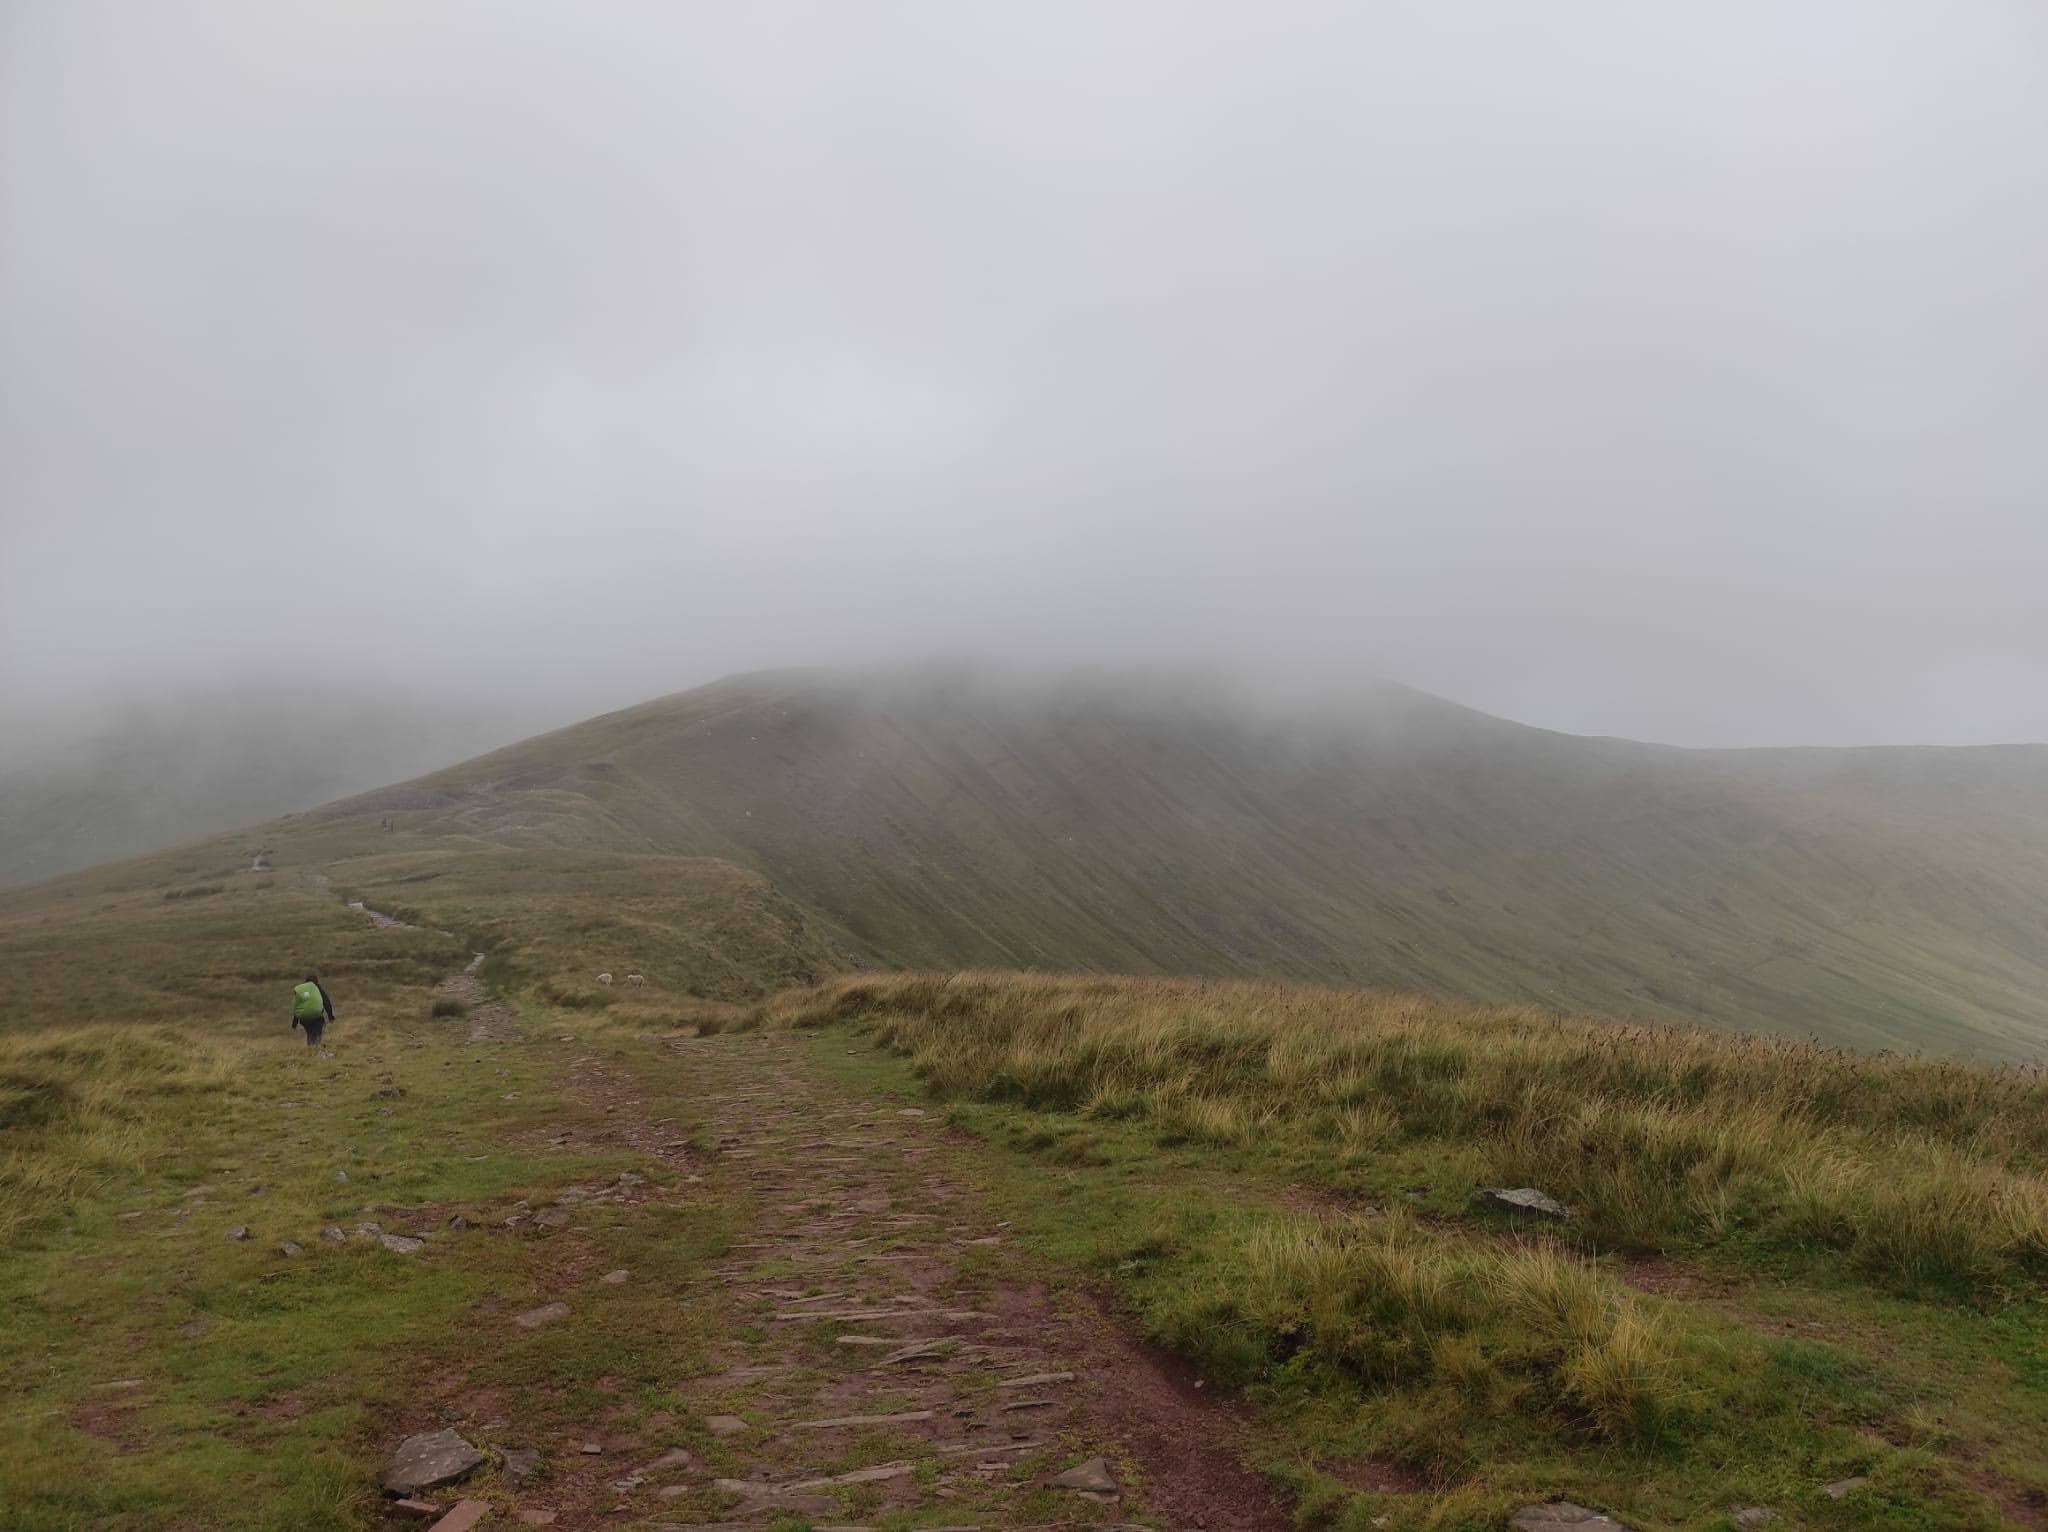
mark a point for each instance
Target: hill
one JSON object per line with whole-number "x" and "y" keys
{"x": 1879, "y": 897}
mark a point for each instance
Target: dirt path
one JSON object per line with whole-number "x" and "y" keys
{"x": 886, "y": 1356}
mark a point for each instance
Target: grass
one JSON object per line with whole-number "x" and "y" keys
{"x": 1410, "y": 1362}
{"x": 1921, "y": 1174}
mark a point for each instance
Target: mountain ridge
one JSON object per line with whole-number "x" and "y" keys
{"x": 1880, "y": 897}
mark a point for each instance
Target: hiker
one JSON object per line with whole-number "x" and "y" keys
{"x": 311, "y": 1009}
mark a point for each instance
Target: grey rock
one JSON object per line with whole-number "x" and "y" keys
{"x": 546, "y": 1314}
{"x": 551, "y": 1218}
{"x": 1520, "y": 1199}
{"x": 1090, "y": 1478}
{"x": 341, "y": 1175}
{"x": 431, "y": 1458}
{"x": 458, "y": 1223}
{"x": 1751, "y": 1517}
{"x": 1559, "y": 1515}
{"x": 725, "y": 1425}
{"x": 613, "y": 1278}
{"x": 399, "y": 1244}
{"x": 521, "y": 1464}
{"x": 333, "y": 1235}
{"x": 1842, "y": 1489}
{"x": 291, "y": 1247}
{"x": 239, "y": 1231}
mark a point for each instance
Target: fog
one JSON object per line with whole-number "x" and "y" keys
{"x": 1675, "y": 372}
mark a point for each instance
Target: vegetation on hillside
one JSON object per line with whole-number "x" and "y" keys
{"x": 1874, "y": 898}
{"x": 1275, "y": 1181}
{"x": 1919, "y": 1172}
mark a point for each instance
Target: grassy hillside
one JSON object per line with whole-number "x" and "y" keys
{"x": 1790, "y": 1279}
{"x": 1874, "y": 898}
{"x": 1886, "y": 898}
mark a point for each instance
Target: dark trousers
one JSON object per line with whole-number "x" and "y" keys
{"x": 313, "y": 1029}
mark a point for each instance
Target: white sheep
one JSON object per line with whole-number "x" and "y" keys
{"x": 636, "y": 978}
{"x": 605, "y": 979}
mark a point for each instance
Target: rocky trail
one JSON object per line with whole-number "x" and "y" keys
{"x": 886, "y": 1355}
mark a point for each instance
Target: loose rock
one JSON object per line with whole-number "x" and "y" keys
{"x": 521, "y": 1464}
{"x": 546, "y": 1314}
{"x": 291, "y": 1247}
{"x": 1750, "y": 1517}
{"x": 1520, "y": 1199}
{"x": 399, "y": 1244}
{"x": 333, "y": 1235}
{"x": 613, "y": 1278}
{"x": 467, "y": 1513}
{"x": 1842, "y": 1489}
{"x": 1090, "y": 1478}
{"x": 239, "y": 1231}
{"x": 1562, "y": 1514}
{"x": 725, "y": 1425}
{"x": 429, "y": 1459}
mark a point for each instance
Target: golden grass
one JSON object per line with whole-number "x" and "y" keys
{"x": 82, "y": 1106}
{"x": 1918, "y": 1170}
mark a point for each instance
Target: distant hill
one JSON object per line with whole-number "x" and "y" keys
{"x": 159, "y": 772}
{"x": 1880, "y": 897}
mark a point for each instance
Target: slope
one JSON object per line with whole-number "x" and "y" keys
{"x": 1882, "y": 897}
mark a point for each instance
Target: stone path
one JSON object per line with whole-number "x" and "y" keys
{"x": 487, "y": 1023}
{"x": 887, "y": 1355}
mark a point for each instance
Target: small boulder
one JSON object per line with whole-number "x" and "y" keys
{"x": 458, "y": 1223}
{"x": 546, "y": 1314}
{"x": 1563, "y": 1516}
{"x": 725, "y": 1425}
{"x": 333, "y": 1235}
{"x": 521, "y": 1464}
{"x": 291, "y": 1247}
{"x": 1748, "y": 1518}
{"x": 1842, "y": 1489}
{"x": 429, "y": 1459}
{"x": 1520, "y": 1199}
{"x": 418, "y": 1510}
{"x": 239, "y": 1231}
{"x": 613, "y": 1278}
{"x": 399, "y": 1244}
{"x": 1090, "y": 1478}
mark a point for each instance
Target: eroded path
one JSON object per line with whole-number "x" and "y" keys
{"x": 888, "y": 1358}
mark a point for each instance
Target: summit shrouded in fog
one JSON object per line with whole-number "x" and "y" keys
{"x": 1669, "y": 373}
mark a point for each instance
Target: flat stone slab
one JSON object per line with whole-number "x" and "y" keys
{"x": 838, "y": 1421}
{"x": 431, "y": 1458}
{"x": 400, "y": 1244}
{"x": 1842, "y": 1489}
{"x": 1090, "y": 1478}
{"x": 1520, "y": 1199}
{"x": 725, "y": 1425}
{"x": 467, "y": 1513}
{"x": 546, "y": 1314}
{"x": 1559, "y": 1515}
{"x": 1033, "y": 1380}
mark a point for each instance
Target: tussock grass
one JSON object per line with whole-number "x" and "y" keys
{"x": 1917, "y": 1172}
{"x": 80, "y": 1106}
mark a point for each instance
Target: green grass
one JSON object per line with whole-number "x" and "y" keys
{"x": 156, "y": 1373}
{"x": 1458, "y": 1370}
{"x": 1917, "y": 1174}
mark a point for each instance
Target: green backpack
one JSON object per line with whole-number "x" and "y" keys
{"x": 306, "y": 1002}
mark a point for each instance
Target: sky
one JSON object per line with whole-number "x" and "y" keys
{"x": 1673, "y": 371}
